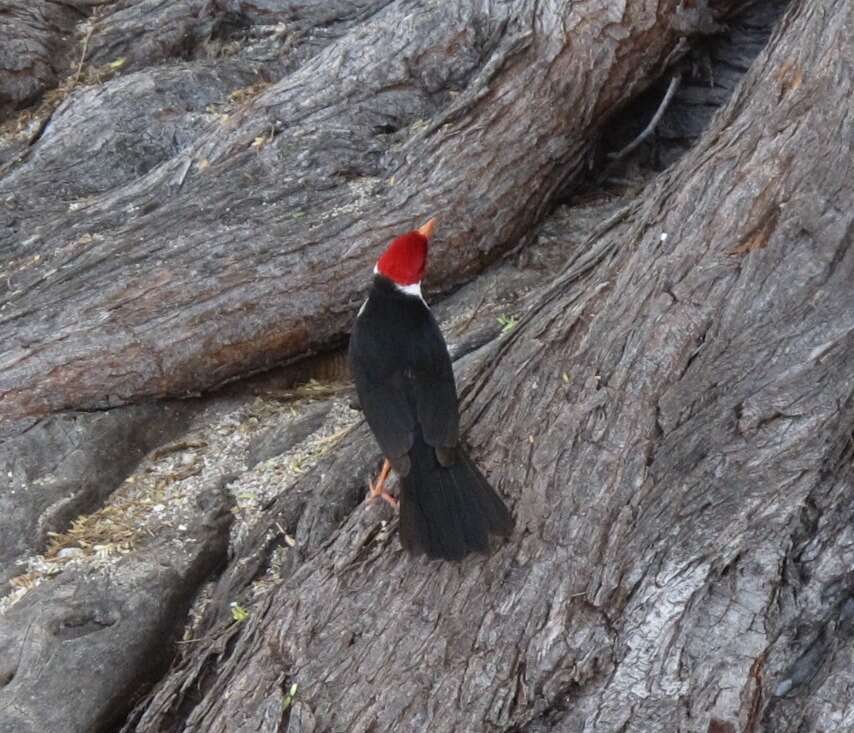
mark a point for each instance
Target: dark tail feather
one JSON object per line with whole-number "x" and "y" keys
{"x": 448, "y": 511}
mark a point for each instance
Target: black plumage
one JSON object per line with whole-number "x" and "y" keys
{"x": 406, "y": 388}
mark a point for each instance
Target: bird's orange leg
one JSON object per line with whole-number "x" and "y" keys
{"x": 377, "y": 488}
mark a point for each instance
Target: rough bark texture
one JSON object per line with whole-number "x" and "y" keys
{"x": 670, "y": 416}
{"x": 681, "y": 465}
{"x": 295, "y": 192}
{"x": 35, "y": 49}
{"x": 68, "y": 465}
{"x": 152, "y": 31}
{"x": 107, "y": 635}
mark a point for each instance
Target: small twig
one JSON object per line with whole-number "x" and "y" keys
{"x": 183, "y": 172}
{"x": 665, "y": 103}
{"x": 334, "y": 437}
{"x": 676, "y": 53}
{"x": 176, "y": 447}
{"x": 85, "y": 49}
{"x": 42, "y": 126}
{"x": 210, "y": 637}
{"x": 474, "y": 313}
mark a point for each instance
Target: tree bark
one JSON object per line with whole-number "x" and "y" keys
{"x": 68, "y": 465}
{"x": 106, "y": 635}
{"x": 191, "y": 273}
{"x": 35, "y": 50}
{"x": 670, "y": 417}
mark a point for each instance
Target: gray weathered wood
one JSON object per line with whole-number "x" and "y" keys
{"x": 75, "y": 652}
{"x": 35, "y": 49}
{"x": 189, "y": 274}
{"x": 67, "y": 465}
{"x": 672, "y": 419}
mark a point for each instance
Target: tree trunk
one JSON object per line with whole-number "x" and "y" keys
{"x": 670, "y": 417}
{"x": 192, "y": 273}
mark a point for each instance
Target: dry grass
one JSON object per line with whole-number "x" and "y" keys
{"x": 162, "y": 492}
{"x": 114, "y": 530}
{"x": 118, "y": 525}
{"x": 237, "y": 101}
{"x": 311, "y": 390}
{"x": 28, "y": 123}
{"x": 244, "y": 95}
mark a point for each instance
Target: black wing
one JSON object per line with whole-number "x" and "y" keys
{"x": 435, "y": 390}
{"x": 403, "y": 375}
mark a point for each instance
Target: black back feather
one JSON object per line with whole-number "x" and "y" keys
{"x": 406, "y": 388}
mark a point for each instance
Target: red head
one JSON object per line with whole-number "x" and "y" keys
{"x": 406, "y": 257}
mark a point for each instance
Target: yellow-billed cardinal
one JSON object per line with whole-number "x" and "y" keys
{"x": 405, "y": 383}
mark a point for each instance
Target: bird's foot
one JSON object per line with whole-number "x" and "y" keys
{"x": 376, "y": 490}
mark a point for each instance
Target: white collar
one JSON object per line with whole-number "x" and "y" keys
{"x": 413, "y": 289}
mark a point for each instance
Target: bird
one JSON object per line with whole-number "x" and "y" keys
{"x": 406, "y": 389}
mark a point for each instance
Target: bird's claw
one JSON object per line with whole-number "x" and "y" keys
{"x": 376, "y": 490}
{"x": 374, "y": 494}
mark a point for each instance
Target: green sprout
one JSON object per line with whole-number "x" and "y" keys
{"x": 239, "y": 613}
{"x": 289, "y": 697}
{"x": 508, "y": 323}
